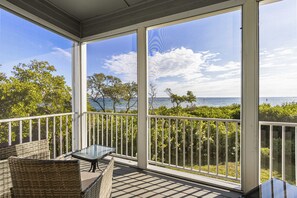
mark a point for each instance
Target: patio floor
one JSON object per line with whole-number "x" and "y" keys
{"x": 133, "y": 182}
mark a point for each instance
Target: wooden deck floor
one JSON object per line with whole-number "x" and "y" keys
{"x": 133, "y": 182}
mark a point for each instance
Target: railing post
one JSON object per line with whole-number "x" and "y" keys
{"x": 250, "y": 96}
{"x": 142, "y": 137}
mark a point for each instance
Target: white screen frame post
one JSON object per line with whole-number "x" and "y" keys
{"x": 250, "y": 96}
{"x": 142, "y": 71}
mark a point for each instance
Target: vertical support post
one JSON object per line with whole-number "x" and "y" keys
{"x": 83, "y": 94}
{"x": 79, "y": 96}
{"x": 142, "y": 136}
{"x": 250, "y": 96}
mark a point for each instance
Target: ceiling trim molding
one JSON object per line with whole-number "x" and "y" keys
{"x": 195, "y": 14}
{"x": 141, "y": 13}
{"x": 49, "y": 13}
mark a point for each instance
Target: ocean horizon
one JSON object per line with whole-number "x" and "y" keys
{"x": 200, "y": 101}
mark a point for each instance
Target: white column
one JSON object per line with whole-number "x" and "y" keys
{"x": 250, "y": 96}
{"x": 142, "y": 137}
{"x": 83, "y": 104}
{"x": 79, "y": 97}
{"x": 76, "y": 96}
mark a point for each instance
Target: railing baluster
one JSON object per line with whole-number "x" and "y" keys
{"x": 227, "y": 168}
{"x": 39, "y": 129}
{"x": 89, "y": 117}
{"x": 132, "y": 140}
{"x": 208, "y": 150}
{"x": 176, "y": 142}
{"x": 199, "y": 141}
{"x": 67, "y": 134}
{"x": 73, "y": 140}
{"x": 94, "y": 129}
{"x": 156, "y": 139}
{"x": 102, "y": 129}
{"x": 98, "y": 128}
{"x": 116, "y": 120}
{"x": 30, "y": 130}
{"x": 169, "y": 141}
{"x": 9, "y": 133}
{"x": 270, "y": 151}
{"x": 21, "y": 132}
{"x": 111, "y": 131}
{"x": 149, "y": 139}
{"x": 236, "y": 150}
{"x": 54, "y": 136}
{"x": 121, "y": 135}
{"x": 191, "y": 144}
{"x": 217, "y": 148}
{"x": 107, "y": 118}
{"x": 283, "y": 153}
{"x": 295, "y": 155}
{"x": 184, "y": 143}
{"x": 260, "y": 133}
{"x": 162, "y": 143}
{"x": 127, "y": 129}
{"x": 61, "y": 136}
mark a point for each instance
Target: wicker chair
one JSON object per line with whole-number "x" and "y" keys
{"x": 57, "y": 178}
{"x": 35, "y": 149}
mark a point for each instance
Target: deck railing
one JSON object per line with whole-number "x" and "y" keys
{"x": 209, "y": 146}
{"x": 113, "y": 129}
{"x": 57, "y": 128}
{"x": 278, "y": 156}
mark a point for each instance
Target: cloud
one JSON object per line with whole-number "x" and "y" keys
{"x": 181, "y": 69}
{"x": 124, "y": 65}
{"x": 278, "y": 71}
{"x": 207, "y": 74}
{"x": 60, "y": 51}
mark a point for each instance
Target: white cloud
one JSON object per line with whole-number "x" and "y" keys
{"x": 181, "y": 69}
{"x": 60, "y": 51}
{"x": 123, "y": 64}
{"x": 204, "y": 73}
{"x": 278, "y": 72}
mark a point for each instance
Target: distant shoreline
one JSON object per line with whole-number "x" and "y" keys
{"x": 201, "y": 101}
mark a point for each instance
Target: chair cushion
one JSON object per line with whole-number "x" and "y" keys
{"x": 87, "y": 178}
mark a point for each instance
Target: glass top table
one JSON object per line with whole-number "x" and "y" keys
{"x": 273, "y": 188}
{"x": 92, "y": 154}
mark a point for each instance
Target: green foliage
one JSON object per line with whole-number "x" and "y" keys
{"x": 130, "y": 92}
{"x": 177, "y": 100}
{"x": 152, "y": 96}
{"x": 33, "y": 89}
{"x": 286, "y": 112}
{"x": 265, "y": 152}
{"x": 101, "y": 87}
{"x": 114, "y": 89}
{"x": 96, "y": 85}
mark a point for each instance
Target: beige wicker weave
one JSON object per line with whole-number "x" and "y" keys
{"x": 35, "y": 149}
{"x": 57, "y": 178}
{"x": 106, "y": 181}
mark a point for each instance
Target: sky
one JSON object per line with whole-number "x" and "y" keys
{"x": 22, "y": 41}
{"x": 202, "y": 55}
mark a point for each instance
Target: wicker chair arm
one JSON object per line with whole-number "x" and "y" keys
{"x": 5, "y": 179}
{"x": 93, "y": 190}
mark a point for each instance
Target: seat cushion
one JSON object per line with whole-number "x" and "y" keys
{"x": 87, "y": 178}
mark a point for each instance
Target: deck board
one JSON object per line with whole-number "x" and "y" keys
{"x": 133, "y": 182}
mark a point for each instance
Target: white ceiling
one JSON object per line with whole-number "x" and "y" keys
{"x": 85, "y": 9}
